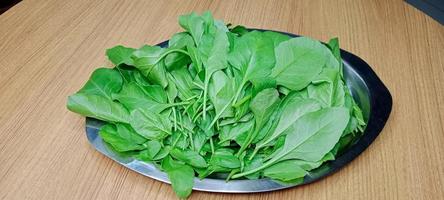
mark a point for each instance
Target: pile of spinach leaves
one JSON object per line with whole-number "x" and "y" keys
{"x": 250, "y": 104}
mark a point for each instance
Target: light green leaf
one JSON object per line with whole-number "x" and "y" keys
{"x": 285, "y": 171}
{"x": 298, "y": 61}
{"x": 98, "y": 107}
{"x": 103, "y": 82}
{"x": 310, "y": 137}
{"x": 120, "y": 54}
{"x": 149, "y": 124}
{"x": 190, "y": 157}
{"x": 122, "y": 137}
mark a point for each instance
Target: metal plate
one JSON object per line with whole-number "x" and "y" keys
{"x": 367, "y": 90}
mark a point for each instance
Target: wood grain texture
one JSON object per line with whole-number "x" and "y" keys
{"x": 48, "y": 49}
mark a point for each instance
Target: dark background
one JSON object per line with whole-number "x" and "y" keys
{"x": 6, "y": 4}
{"x": 433, "y": 8}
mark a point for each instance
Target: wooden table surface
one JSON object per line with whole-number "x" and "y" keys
{"x": 48, "y": 48}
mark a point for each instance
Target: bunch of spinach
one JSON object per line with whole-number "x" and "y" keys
{"x": 250, "y": 104}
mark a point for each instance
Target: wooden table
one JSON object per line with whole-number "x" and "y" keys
{"x": 48, "y": 48}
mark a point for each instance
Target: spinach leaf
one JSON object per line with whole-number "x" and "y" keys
{"x": 229, "y": 133}
{"x": 327, "y": 88}
{"x": 181, "y": 176}
{"x": 286, "y": 170}
{"x": 149, "y": 124}
{"x": 103, "y": 82}
{"x": 291, "y": 109}
{"x": 276, "y": 37}
{"x": 310, "y": 137}
{"x": 190, "y": 157}
{"x": 122, "y": 137}
{"x": 221, "y": 92}
{"x": 217, "y": 60}
{"x": 98, "y": 107}
{"x": 148, "y": 59}
{"x": 152, "y": 149}
{"x": 298, "y": 61}
{"x": 120, "y": 55}
{"x": 253, "y": 56}
{"x": 250, "y": 164}
{"x": 333, "y": 45}
{"x": 262, "y": 106}
{"x": 134, "y": 96}
{"x": 183, "y": 80}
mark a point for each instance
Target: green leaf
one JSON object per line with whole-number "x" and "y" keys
{"x": 184, "y": 83}
{"x": 216, "y": 60}
{"x": 181, "y": 177}
{"x": 291, "y": 109}
{"x": 333, "y": 44}
{"x": 225, "y": 160}
{"x": 120, "y": 54}
{"x": 177, "y": 60}
{"x": 149, "y": 124}
{"x": 103, "y": 82}
{"x": 253, "y": 56}
{"x": 285, "y": 171}
{"x": 162, "y": 153}
{"x": 134, "y": 96}
{"x": 148, "y": 59}
{"x": 262, "y": 106}
{"x": 122, "y": 137}
{"x": 190, "y": 157}
{"x": 153, "y": 148}
{"x": 314, "y": 134}
{"x": 276, "y": 37}
{"x": 194, "y": 24}
{"x": 256, "y": 162}
{"x": 298, "y": 61}
{"x": 199, "y": 139}
{"x": 239, "y": 30}
{"x": 221, "y": 92}
{"x": 178, "y": 139}
{"x": 310, "y": 137}
{"x": 230, "y": 133}
{"x": 327, "y": 88}
{"x": 98, "y": 107}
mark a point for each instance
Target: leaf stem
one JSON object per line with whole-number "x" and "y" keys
{"x": 170, "y": 51}
{"x": 212, "y": 145}
{"x": 174, "y": 118}
{"x": 239, "y": 90}
{"x": 178, "y": 104}
{"x": 265, "y": 165}
{"x": 242, "y": 101}
{"x": 207, "y": 80}
{"x": 220, "y": 113}
{"x": 175, "y": 141}
{"x": 191, "y": 140}
{"x": 254, "y": 152}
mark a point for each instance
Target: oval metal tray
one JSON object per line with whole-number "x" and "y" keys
{"x": 367, "y": 90}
